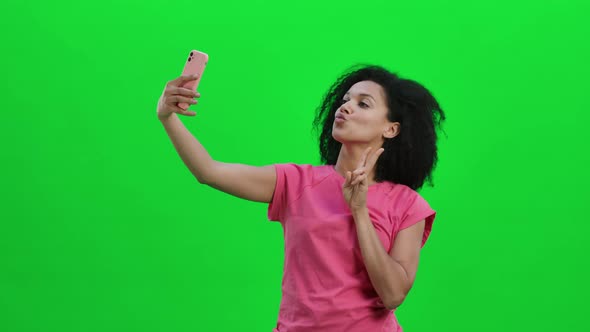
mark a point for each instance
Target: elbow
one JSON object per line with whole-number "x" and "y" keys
{"x": 201, "y": 178}
{"x": 395, "y": 301}
{"x": 204, "y": 176}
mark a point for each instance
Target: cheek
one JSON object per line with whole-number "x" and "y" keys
{"x": 359, "y": 120}
{"x": 367, "y": 123}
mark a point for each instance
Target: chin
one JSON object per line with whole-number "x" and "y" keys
{"x": 338, "y": 138}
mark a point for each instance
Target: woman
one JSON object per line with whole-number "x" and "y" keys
{"x": 354, "y": 226}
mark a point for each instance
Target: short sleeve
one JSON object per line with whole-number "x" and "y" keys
{"x": 290, "y": 181}
{"x": 417, "y": 210}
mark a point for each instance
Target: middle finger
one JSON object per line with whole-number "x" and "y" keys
{"x": 184, "y": 92}
{"x": 359, "y": 170}
{"x": 373, "y": 159}
{"x": 364, "y": 157}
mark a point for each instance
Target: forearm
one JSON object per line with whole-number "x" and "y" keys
{"x": 387, "y": 276}
{"x": 190, "y": 150}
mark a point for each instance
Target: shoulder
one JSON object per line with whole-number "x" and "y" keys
{"x": 400, "y": 194}
{"x": 411, "y": 209}
{"x": 403, "y": 200}
{"x": 305, "y": 173}
{"x": 295, "y": 169}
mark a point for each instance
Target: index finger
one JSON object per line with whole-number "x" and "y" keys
{"x": 363, "y": 160}
{"x": 183, "y": 79}
{"x": 373, "y": 159}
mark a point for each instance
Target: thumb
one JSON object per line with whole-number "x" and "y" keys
{"x": 348, "y": 177}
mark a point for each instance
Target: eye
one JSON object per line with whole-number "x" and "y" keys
{"x": 362, "y": 104}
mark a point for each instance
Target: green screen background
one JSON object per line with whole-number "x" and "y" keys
{"x": 103, "y": 228}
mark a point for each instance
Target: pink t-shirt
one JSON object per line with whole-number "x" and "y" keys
{"x": 325, "y": 286}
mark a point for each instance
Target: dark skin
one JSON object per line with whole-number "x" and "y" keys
{"x": 362, "y": 134}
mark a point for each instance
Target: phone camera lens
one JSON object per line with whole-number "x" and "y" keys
{"x": 191, "y": 53}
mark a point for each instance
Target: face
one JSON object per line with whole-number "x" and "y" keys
{"x": 365, "y": 109}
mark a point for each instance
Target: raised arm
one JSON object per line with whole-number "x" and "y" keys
{"x": 253, "y": 183}
{"x": 248, "y": 182}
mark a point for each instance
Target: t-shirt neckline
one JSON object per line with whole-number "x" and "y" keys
{"x": 342, "y": 179}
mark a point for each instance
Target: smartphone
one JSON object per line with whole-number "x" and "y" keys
{"x": 195, "y": 64}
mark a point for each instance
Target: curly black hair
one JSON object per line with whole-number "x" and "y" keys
{"x": 411, "y": 156}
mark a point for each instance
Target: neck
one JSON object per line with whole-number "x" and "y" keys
{"x": 350, "y": 157}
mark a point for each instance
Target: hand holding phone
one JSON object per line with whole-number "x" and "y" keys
{"x": 173, "y": 94}
{"x": 195, "y": 65}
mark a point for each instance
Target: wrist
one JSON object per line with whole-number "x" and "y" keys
{"x": 360, "y": 211}
{"x": 164, "y": 118}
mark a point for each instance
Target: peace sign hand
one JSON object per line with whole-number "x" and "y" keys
{"x": 356, "y": 186}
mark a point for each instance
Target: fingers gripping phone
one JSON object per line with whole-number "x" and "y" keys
{"x": 195, "y": 64}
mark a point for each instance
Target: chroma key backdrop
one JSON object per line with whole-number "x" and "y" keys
{"x": 103, "y": 227}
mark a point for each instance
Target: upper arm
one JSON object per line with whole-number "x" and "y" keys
{"x": 254, "y": 183}
{"x": 406, "y": 251}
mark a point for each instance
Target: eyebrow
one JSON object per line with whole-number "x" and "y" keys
{"x": 364, "y": 95}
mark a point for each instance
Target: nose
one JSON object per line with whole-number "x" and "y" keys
{"x": 344, "y": 108}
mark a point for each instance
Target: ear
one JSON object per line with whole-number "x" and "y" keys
{"x": 392, "y": 130}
